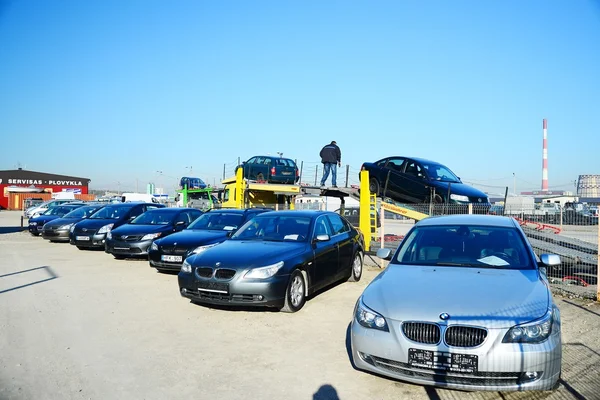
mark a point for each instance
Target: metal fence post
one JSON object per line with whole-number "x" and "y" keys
{"x": 598, "y": 267}
{"x": 470, "y": 208}
{"x": 381, "y": 230}
{"x": 561, "y": 218}
{"x": 505, "y": 197}
{"x": 347, "y": 173}
{"x": 223, "y": 171}
{"x": 301, "y": 168}
{"x": 316, "y": 173}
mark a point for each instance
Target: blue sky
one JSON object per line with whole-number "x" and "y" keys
{"x": 118, "y": 90}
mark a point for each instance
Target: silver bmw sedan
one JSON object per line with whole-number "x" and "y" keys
{"x": 464, "y": 303}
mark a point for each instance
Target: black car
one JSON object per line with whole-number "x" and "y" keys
{"x": 134, "y": 238}
{"x": 36, "y": 225}
{"x": 58, "y": 229}
{"x": 416, "y": 180}
{"x": 212, "y": 228}
{"x": 276, "y": 259}
{"x": 271, "y": 169}
{"x": 91, "y": 232}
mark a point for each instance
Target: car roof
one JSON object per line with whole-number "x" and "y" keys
{"x": 469, "y": 219}
{"x": 172, "y": 209}
{"x": 300, "y": 213}
{"x": 283, "y": 158}
{"x": 417, "y": 159}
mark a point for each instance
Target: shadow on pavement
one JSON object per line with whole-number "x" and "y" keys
{"x": 326, "y": 392}
{"x": 51, "y": 274}
{"x": 11, "y": 229}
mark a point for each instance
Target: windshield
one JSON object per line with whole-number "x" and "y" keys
{"x": 155, "y": 218}
{"x": 220, "y": 221}
{"x": 82, "y": 212}
{"x": 465, "y": 246}
{"x": 274, "y": 228}
{"x": 438, "y": 172}
{"x": 58, "y": 210}
{"x": 110, "y": 212}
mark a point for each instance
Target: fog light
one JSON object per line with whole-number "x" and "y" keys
{"x": 529, "y": 376}
{"x": 183, "y": 291}
{"x": 258, "y": 297}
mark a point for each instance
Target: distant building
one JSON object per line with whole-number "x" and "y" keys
{"x": 588, "y": 186}
{"x": 17, "y": 184}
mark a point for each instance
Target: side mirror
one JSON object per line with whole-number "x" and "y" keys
{"x": 322, "y": 238}
{"x": 179, "y": 223}
{"x": 131, "y": 218}
{"x": 550, "y": 260}
{"x": 384, "y": 254}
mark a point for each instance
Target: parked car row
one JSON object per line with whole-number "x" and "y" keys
{"x": 464, "y": 302}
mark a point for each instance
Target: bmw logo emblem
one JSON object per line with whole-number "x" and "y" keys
{"x": 444, "y": 316}
{"x": 218, "y": 264}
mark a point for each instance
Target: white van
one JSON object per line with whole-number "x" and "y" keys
{"x": 147, "y": 198}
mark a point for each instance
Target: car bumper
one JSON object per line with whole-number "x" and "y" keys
{"x": 264, "y": 293}
{"x": 95, "y": 240}
{"x": 118, "y": 247}
{"x": 155, "y": 258}
{"x": 35, "y": 229}
{"x": 500, "y": 368}
{"x": 56, "y": 236}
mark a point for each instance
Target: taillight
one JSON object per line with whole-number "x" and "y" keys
{"x": 272, "y": 170}
{"x": 297, "y": 172}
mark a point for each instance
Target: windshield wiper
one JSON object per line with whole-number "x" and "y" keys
{"x": 454, "y": 264}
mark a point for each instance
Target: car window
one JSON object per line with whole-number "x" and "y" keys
{"x": 337, "y": 224}
{"x": 137, "y": 211}
{"x": 268, "y": 160}
{"x": 275, "y": 228}
{"x": 259, "y": 160}
{"x": 222, "y": 221}
{"x": 465, "y": 245}
{"x": 395, "y": 164}
{"x": 252, "y": 160}
{"x": 322, "y": 227}
{"x": 414, "y": 169}
{"x": 193, "y": 215}
{"x": 182, "y": 217}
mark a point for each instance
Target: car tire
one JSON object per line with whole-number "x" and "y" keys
{"x": 374, "y": 186}
{"x": 357, "y": 268}
{"x": 437, "y": 199}
{"x": 295, "y": 294}
{"x": 260, "y": 176}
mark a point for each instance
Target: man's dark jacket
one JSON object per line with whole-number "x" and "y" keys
{"x": 331, "y": 154}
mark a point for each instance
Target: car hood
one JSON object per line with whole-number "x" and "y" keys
{"x": 460, "y": 189}
{"x": 493, "y": 298}
{"x": 96, "y": 223}
{"x": 63, "y": 221}
{"x": 242, "y": 254}
{"x": 131, "y": 229}
{"x": 44, "y": 218}
{"x": 193, "y": 238}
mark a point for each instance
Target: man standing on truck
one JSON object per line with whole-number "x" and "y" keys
{"x": 331, "y": 157}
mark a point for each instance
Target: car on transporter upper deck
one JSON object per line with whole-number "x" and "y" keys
{"x": 270, "y": 169}
{"x": 417, "y": 180}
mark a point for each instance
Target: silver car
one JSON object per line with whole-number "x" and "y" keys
{"x": 465, "y": 304}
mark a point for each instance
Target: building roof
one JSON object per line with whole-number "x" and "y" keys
{"x": 5, "y": 175}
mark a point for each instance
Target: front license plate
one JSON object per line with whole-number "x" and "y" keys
{"x": 82, "y": 238}
{"x": 171, "y": 258}
{"x": 466, "y": 363}
{"x": 215, "y": 287}
{"x": 39, "y": 228}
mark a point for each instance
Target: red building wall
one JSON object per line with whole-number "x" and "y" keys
{"x": 5, "y": 195}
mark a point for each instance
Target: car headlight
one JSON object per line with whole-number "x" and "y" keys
{"x": 151, "y": 236}
{"x": 66, "y": 226}
{"x": 154, "y": 246}
{"x": 263, "y": 272}
{"x": 72, "y": 228}
{"x": 109, "y": 235}
{"x": 458, "y": 197}
{"x": 537, "y": 331}
{"x": 105, "y": 228}
{"x": 369, "y": 318}
{"x": 186, "y": 267}
{"x": 33, "y": 223}
{"x": 200, "y": 249}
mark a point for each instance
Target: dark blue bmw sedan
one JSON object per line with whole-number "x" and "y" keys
{"x": 276, "y": 259}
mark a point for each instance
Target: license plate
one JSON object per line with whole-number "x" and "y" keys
{"x": 215, "y": 287}
{"x": 121, "y": 248}
{"x": 286, "y": 173}
{"x": 466, "y": 363}
{"x": 171, "y": 258}
{"x": 82, "y": 238}
{"x": 39, "y": 228}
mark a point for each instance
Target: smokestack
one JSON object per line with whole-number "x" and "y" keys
{"x": 545, "y": 157}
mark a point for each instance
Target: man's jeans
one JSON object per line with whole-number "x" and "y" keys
{"x": 326, "y": 168}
